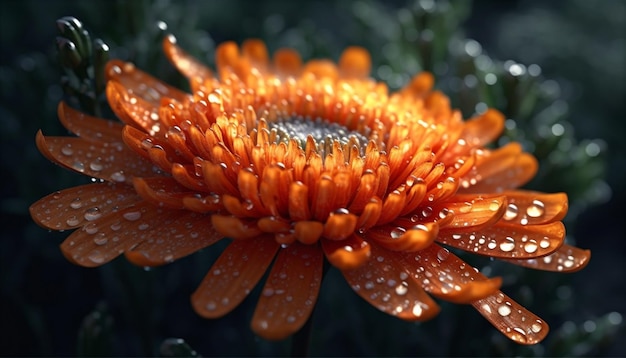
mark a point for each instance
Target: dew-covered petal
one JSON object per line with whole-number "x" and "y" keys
{"x": 290, "y": 292}
{"x": 347, "y": 254}
{"x": 231, "y": 278}
{"x": 507, "y": 241}
{"x": 235, "y": 228}
{"x": 566, "y": 259}
{"x": 180, "y": 235}
{"x": 256, "y": 51}
{"x": 287, "y": 61}
{"x": 101, "y": 241}
{"x": 402, "y": 237}
{"x": 446, "y": 276}
{"x": 512, "y": 319}
{"x": 470, "y": 211}
{"x": 74, "y": 207}
{"x": 162, "y": 191}
{"x": 89, "y": 127}
{"x": 498, "y": 174}
{"x": 384, "y": 283}
{"x": 533, "y": 208}
{"x": 483, "y": 129}
{"x": 110, "y": 162}
{"x": 140, "y": 84}
{"x": 186, "y": 64}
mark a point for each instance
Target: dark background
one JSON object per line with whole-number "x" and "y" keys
{"x": 51, "y": 307}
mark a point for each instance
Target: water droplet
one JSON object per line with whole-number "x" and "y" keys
{"x": 118, "y": 177}
{"x": 530, "y": 247}
{"x": 536, "y": 327}
{"x": 443, "y": 254}
{"x": 397, "y": 232}
{"x": 401, "y": 290}
{"x": 536, "y": 209}
{"x": 96, "y": 166}
{"x": 268, "y": 292}
{"x": 504, "y": 310}
{"x": 67, "y": 150}
{"x": 116, "y": 226}
{"x": 143, "y": 226}
{"x": 100, "y": 239}
{"x": 427, "y": 211}
{"x": 72, "y": 221}
{"x": 494, "y": 205}
{"x": 132, "y": 215}
{"x": 96, "y": 257}
{"x": 511, "y": 212}
{"x": 417, "y": 309}
{"x": 92, "y": 214}
{"x": 545, "y": 243}
{"x": 291, "y": 319}
{"x": 492, "y": 244}
{"x": 90, "y": 228}
{"x": 507, "y": 245}
{"x": 211, "y": 306}
{"x": 76, "y": 204}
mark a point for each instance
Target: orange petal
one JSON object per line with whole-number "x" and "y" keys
{"x": 340, "y": 226}
{"x": 566, "y": 259}
{"x": 235, "y": 228}
{"x": 483, "y": 129}
{"x": 308, "y": 232}
{"x": 299, "y": 201}
{"x": 383, "y": 283}
{"x": 115, "y": 163}
{"x": 189, "y": 233}
{"x": 355, "y": 62}
{"x": 141, "y": 84}
{"x": 420, "y": 84}
{"x": 470, "y": 211}
{"x": 74, "y": 207}
{"x": 321, "y": 69}
{"x": 507, "y": 241}
{"x": 287, "y": 61}
{"x": 347, "y": 254}
{"x": 88, "y": 127}
{"x": 162, "y": 191}
{"x": 101, "y": 241}
{"x": 446, "y": 276}
{"x": 404, "y": 238}
{"x": 184, "y": 63}
{"x": 231, "y": 278}
{"x": 256, "y": 51}
{"x": 533, "y": 208}
{"x": 226, "y": 55}
{"x": 512, "y": 319}
{"x": 290, "y": 292}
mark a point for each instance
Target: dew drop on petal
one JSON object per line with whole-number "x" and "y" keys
{"x": 530, "y": 247}
{"x": 96, "y": 166}
{"x": 401, "y": 290}
{"x": 96, "y": 257}
{"x": 536, "y": 327}
{"x": 76, "y": 204}
{"x": 118, "y": 177}
{"x": 504, "y": 310}
{"x": 92, "y": 214}
{"x": 397, "y": 232}
{"x": 72, "y": 221}
{"x": 507, "y": 245}
{"x": 536, "y": 209}
{"x": 132, "y": 215}
{"x": 511, "y": 212}
{"x": 67, "y": 150}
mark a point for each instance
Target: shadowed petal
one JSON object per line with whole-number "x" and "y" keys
{"x": 233, "y": 276}
{"x": 115, "y": 163}
{"x": 184, "y": 63}
{"x": 385, "y": 284}
{"x": 512, "y": 319}
{"x": 74, "y": 207}
{"x": 347, "y": 254}
{"x": 290, "y": 292}
{"x": 188, "y": 233}
{"x": 101, "y": 241}
{"x": 88, "y": 127}
{"x": 532, "y": 208}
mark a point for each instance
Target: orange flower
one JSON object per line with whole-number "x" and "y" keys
{"x": 299, "y": 163}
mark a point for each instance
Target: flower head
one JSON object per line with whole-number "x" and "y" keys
{"x": 299, "y": 163}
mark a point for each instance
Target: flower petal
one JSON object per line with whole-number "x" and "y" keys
{"x": 88, "y": 127}
{"x": 383, "y": 282}
{"x": 532, "y": 208}
{"x": 235, "y": 273}
{"x": 74, "y": 207}
{"x": 566, "y": 259}
{"x": 347, "y": 254}
{"x": 162, "y": 191}
{"x": 512, "y": 319}
{"x": 103, "y": 240}
{"x": 290, "y": 292}
{"x": 470, "y": 211}
{"x": 189, "y": 233}
{"x": 446, "y": 276}
{"x": 484, "y": 128}
{"x": 355, "y": 62}
{"x": 404, "y": 237}
{"x": 114, "y": 163}
{"x": 184, "y": 63}
{"x": 287, "y": 61}
{"x": 507, "y": 241}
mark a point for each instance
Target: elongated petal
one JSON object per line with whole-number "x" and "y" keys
{"x": 566, "y": 259}
{"x": 443, "y": 274}
{"x": 385, "y": 284}
{"x": 290, "y": 292}
{"x": 141, "y": 84}
{"x": 507, "y": 241}
{"x": 114, "y": 163}
{"x": 188, "y": 233}
{"x": 532, "y": 208}
{"x": 470, "y": 211}
{"x": 233, "y": 276}
{"x": 512, "y": 319}
{"x": 74, "y": 207}
{"x": 184, "y": 63}
{"x": 347, "y": 254}
{"x": 101, "y": 241}
{"x": 88, "y": 127}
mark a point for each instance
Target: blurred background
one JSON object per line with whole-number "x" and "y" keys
{"x": 556, "y": 69}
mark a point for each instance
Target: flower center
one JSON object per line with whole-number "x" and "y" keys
{"x": 323, "y": 131}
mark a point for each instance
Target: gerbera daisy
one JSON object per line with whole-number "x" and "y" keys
{"x": 298, "y": 163}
